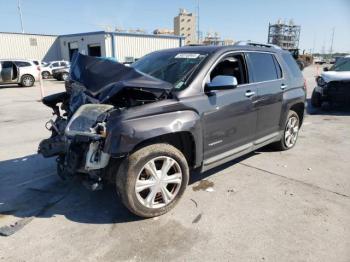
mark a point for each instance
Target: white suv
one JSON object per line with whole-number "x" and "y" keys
{"x": 46, "y": 71}
{"x": 18, "y": 71}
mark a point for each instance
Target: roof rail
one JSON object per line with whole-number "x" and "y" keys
{"x": 251, "y": 43}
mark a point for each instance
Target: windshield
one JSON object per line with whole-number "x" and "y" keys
{"x": 342, "y": 65}
{"x": 172, "y": 67}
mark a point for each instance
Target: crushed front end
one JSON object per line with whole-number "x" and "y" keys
{"x": 97, "y": 88}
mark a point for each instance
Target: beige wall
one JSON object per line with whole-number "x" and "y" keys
{"x": 29, "y": 46}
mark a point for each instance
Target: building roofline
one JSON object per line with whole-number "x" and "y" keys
{"x": 101, "y": 32}
{"x": 15, "y": 33}
{"x": 124, "y": 34}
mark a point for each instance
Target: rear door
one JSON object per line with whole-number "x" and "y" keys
{"x": 268, "y": 79}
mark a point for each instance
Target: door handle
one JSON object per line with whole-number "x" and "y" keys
{"x": 249, "y": 93}
{"x": 283, "y": 86}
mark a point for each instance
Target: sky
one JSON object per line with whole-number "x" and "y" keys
{"x": 233, "y": 19}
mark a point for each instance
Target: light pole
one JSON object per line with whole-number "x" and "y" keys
{"x": 20, "y": 15}
{"x": 198, "y": 32}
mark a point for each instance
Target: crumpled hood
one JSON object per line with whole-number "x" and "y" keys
{"x": 329, "y": 76}
{"x": 104, "y": 78}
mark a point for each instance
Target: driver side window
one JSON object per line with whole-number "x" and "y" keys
{"x": 232, "y": 65}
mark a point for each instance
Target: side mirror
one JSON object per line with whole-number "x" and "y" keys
{"x": 222, "y": 82}
{"x": 326, "y": 69}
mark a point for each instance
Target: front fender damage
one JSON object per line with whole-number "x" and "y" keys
{"x": 97, "y": 89}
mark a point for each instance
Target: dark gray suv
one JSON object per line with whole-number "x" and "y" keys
{"x": 145, "y": 127}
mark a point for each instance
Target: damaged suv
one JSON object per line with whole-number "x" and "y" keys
{"x": 145, "y": 127}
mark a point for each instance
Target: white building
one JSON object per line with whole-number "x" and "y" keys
{"x": 125, "y": 47}
{"x": 29, "y": 46}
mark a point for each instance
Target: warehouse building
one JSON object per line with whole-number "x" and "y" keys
{"x": 125, "y": 47}
{"x": 29, "y": 46}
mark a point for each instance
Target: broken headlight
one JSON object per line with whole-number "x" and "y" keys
{"x": 86, "y": 118}
{"x": 320, "y": 82}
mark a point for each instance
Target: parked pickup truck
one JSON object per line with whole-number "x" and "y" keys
{"x": 147, "y": 126}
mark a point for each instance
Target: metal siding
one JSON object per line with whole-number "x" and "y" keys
{"x": 83, "y": 42}
{"x": 18, "y": 46}
{"x": 138, "y": 46}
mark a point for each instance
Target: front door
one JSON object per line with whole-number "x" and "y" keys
{"x": 229, "y": 124}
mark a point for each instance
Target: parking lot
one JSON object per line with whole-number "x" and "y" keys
{"x": 266, "y": 206}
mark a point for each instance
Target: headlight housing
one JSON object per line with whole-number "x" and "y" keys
{"x": 85, "y": 118}
{"x": 320, "y": 81}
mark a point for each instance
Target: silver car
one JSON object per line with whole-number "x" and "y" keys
{"x": 18, "y": 71}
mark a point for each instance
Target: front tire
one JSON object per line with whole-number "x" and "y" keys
{"x": 316, "y": 99}
{"x": 291, "y": 131}
{"x": 151, "y": 181}
{"x": 27, "y": 81}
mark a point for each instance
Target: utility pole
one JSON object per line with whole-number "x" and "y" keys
{"x": 198, "y": 32}
{"x": 20, "y": 15}
{"x": 331, "y": 48}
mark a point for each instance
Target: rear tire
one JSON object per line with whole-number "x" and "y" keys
{"x": 27, "y": 81}
{"x": 152, "y": 180}
{"x": 65, "y": 76}
{"x": 290, "y": 133}
{"x": 316, "y": 99}
{"x": 45, "y": 74}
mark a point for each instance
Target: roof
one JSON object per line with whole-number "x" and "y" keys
{"x": 213, "y": 49}
{"x": 100, "y": 32}
{"x": 15, "y": 33}
{"x": 124, "y": 34}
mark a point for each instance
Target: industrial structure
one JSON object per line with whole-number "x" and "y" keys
{"x": 185, "y": 25}
{"x": 285, "y": 35}
{"x": 123, "y": 46}
{"x": 215, "y": 39}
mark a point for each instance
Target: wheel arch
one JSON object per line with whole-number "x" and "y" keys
{"x": 24, "y": 75}
{"x": 299, "y": 108}
{"x": 181, "y": 129}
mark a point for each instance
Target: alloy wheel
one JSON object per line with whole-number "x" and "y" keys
{"x": 27, "y": 81}
{"x": 159, "y": 182}
{"x": 291, "y": 131}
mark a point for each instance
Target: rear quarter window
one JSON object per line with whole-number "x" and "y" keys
{"x": 292, "y": 65}
{"x": 264, "y": 67}
{"x": 22, "y": 64}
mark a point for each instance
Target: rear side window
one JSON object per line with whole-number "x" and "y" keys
{"x": 264, "y": 67}
{"x": 292, "y": 65}
{"x": 55, "y": 64}
{"x": 22, "y": 64}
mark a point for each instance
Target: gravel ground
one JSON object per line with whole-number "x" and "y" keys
{"x": 266, "y": 206}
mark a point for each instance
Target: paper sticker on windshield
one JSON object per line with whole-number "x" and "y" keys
{"x": 187, "y": 56}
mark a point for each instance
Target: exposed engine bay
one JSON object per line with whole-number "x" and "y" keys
{"x": 97, "y": 88}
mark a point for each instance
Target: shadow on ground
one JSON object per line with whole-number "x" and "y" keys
{"x": 30, "y": 188}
